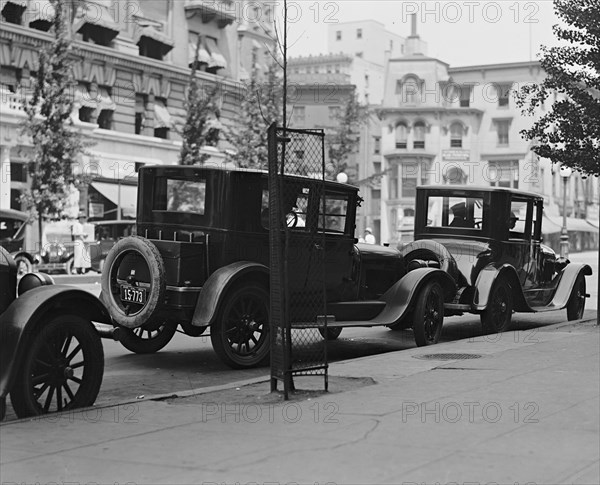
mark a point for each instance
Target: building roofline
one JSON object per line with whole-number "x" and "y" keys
{"x": 418, "y": 57}
{"x": 501, "y": 65}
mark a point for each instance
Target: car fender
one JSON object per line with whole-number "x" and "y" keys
{"x": 485, "y": 282}
{"x": 566, "y": 283}
{"x": 400, "y": 298}
{"x": 219, "y": 282}
{"x": 27, "y": 314}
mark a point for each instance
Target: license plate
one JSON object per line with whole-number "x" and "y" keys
{"x": 131, "y": 294}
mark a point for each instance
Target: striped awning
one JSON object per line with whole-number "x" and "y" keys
{"x": 15, "y": 3}
{"x": 94, "y": 14}
{"x": 217, "y": 58}
{"x": 100, "y": 101}
{"x": 40, "y": 10}
{"x": 203, "y": 54}
{"x": 162, "y": 117}
{"x": 150, "y": 33}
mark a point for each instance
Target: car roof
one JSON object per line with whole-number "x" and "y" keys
{"x": 477, "y": 188}
{"x": 14, "y": 214}
{"x": 233, "y": 170}
{"x": 119, "y": 222}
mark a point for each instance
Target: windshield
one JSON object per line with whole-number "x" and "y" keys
{"x": 9, "y": 227}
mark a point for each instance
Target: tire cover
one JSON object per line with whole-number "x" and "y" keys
{"x": 417, "y": 249}
{"x": 155, "y": 295}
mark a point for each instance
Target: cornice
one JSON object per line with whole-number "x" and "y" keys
{"x": 22, "y": 38}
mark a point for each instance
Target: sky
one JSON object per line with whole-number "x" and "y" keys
{"x": 460, "y": 33}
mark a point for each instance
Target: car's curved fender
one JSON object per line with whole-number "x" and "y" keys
{"x": 400, "y": 298}
{"x": 568, "y": 276}
{"x": 27, "y": 314}
{"x": 219, "y": 282}
{"x": 485, "y": 282}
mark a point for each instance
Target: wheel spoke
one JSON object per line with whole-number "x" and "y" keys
{"x": 39, "y": 379}
{"x": 76, "y": 379}
{"x": 68, "y": 390}
{"x": 76, "y": 366}
{"x": 59, "y": 404}
{"x": 66, "y": 345}
{"x": 39, "y": 392}
{"x": 74, "y": 353}
{"x": 49, "y": 399}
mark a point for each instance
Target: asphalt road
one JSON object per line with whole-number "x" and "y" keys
{"x": 188, "y": 363}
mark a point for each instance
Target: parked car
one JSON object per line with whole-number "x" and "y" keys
{"x": 201, "y": 259}
{"x": 52, "y": 356}
{"x": 490, "y": 241}
{"x": 13, "y": 225}
{"x": 106, "y": 234}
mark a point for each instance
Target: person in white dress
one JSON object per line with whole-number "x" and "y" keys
{"x": 81, "y": 256}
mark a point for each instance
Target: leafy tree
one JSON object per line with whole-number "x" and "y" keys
{"x": 345, "y": 138}
{"x": 55, "y": 142}
{"x": 202, "y": 127}
{"x": 569, "y": 132}
{"x": 260, "y": 106}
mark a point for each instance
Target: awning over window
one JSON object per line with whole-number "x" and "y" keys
{"x": 95, "y": 19}
{"x": 162, "y": 117}
{"x": 217, "y": 58}
{"x": 553, "y": 225}
{"x": 203, "y": 55}
{"x": 40, "y": 15}
{"x": 123, "y": 196}
{"x": 100, "y": 101}
{"x": 149, "y": 33}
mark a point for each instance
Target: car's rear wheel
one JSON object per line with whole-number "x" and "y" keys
{"x": 240, "y": 334}
{"x": 497, "y": 316}
{"x": 428, "y": 316}
{"x": 142, "y": 340}
{"x": 62, "y": 368}
{"x": 133, "y": 282}
{"x": 576, "y": 304}
{"x": 331, "y": 333}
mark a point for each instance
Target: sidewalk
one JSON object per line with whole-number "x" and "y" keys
{"x": 526, "y": 410}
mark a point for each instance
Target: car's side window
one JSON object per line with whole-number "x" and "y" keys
{"x": 296, "y": 207}
{"x": 332, "y": 213}
{"x": 455, "y": 212}
{"x": 517, "y": 219}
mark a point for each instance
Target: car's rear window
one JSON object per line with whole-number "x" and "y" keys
{"x": 177, "y": 195}
{"x": 455, "y": 212}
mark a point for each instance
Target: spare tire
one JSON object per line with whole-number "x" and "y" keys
{"x": 427, "y": 250}
{"x": 133, "y": 283}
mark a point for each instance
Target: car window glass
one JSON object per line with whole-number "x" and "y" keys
{"x": 455, "y": 212}
{"x": 186, "y": 196}
{"x": 8, "y": 228}
{"x": 517, "y": 218}
{"x": 332, "y": 213}
{"x": 296, "y": 207}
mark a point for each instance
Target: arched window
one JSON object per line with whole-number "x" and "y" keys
{"x": 456, "y": 135}
{"x": 419, "y": 135}
{"x": 410, "y": 90}
{"x": 401, "y": 135}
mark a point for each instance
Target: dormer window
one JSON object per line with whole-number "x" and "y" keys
{"x": 95, "y": 23}
{"x": 12, "y": 11}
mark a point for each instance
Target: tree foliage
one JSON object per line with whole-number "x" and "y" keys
{"x": 569, "y": 132}
{"x": 345, "y": 138}
{"x": 202, "y": 126}
{"x": 55, "y": 142}
{"x": 261, "y": 105}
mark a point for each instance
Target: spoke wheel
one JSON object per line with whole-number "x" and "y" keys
{"x": 240, "y": 335}
{"x": 576, "y": 304}
{"x": 497, "y": 316}
{"x": 331, "y": 333}
{"x": 147, "y": 340}
{"x": 428, "y": 316}
{"x": 62, "y": 368}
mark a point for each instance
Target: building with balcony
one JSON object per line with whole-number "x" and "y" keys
{"x": 132, "y": 63}
{"x": 461, "y": 125}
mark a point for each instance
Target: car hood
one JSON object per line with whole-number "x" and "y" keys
{"x": 370, "y": 252}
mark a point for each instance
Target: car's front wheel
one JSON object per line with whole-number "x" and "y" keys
{"x": 143, "y": 340}
{"x": 62, "y": 368}
{"x": 240, "y": 334}
{"x": 428, "y": 316}
{"x": 497, "y": 316}
{"x": 576, "y": 304}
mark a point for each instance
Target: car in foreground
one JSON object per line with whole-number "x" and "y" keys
{"x": 489, "y": 240}
{"x": 51, "y": 353}
{"x": 13, "y": 225}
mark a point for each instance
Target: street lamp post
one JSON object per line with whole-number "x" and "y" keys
{"x": 565, "y": 173}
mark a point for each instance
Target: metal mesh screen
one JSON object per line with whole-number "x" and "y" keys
{"x": 298, "y": 303}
